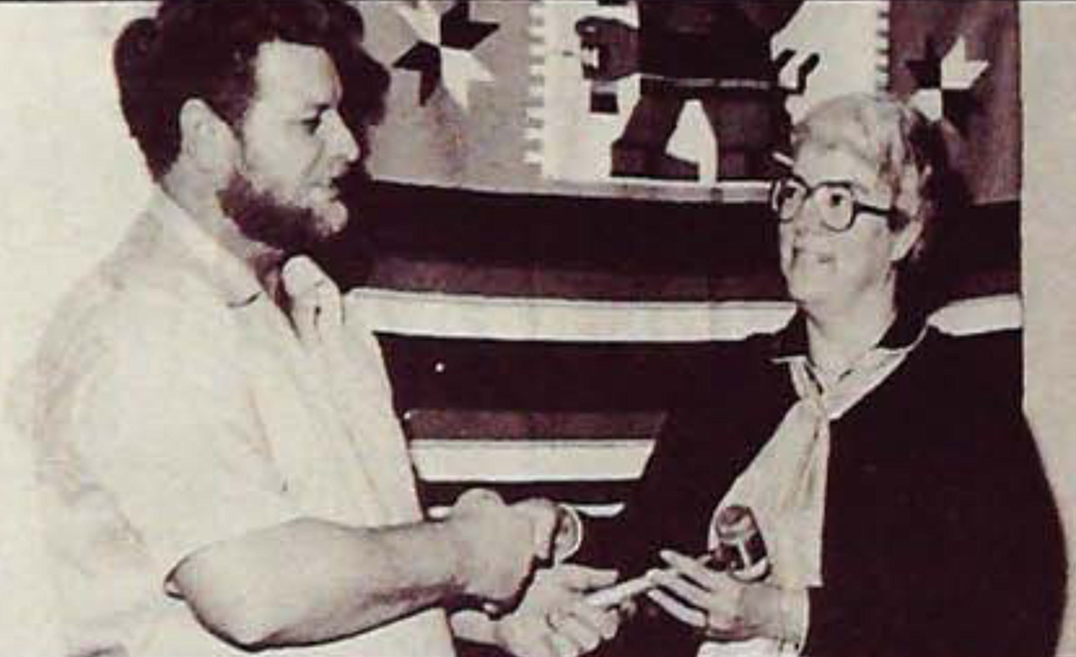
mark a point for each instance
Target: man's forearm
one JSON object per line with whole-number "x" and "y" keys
{"x": 311, "y": 581}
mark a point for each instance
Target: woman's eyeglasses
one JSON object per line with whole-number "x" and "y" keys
{"x": 836, "y": 202}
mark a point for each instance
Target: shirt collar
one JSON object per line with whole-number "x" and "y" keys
{"x": 230, "y": 274}
{"x": 902, "y": 335}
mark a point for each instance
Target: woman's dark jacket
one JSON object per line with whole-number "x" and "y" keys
{"x": 941, "y": 536}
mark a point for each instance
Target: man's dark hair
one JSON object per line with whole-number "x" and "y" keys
{"x": 207, "y": 49}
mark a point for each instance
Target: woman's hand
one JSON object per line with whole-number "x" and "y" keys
{"x": 706, "y": 599}
{"x": 723, "y": 608}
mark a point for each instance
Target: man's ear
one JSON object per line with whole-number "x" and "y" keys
{"x": 206, "y": 140}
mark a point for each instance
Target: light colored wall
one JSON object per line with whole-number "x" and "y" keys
{"x": 1049, "y": 253}
{"x": 71, "y": 182}
{"x": 72, "y": 179}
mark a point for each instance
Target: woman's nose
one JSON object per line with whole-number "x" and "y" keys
{"x": 808, "y": 217}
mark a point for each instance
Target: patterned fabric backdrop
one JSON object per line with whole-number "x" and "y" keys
{"x": 607, "y": 149}
{"x": 533, "y": 96}
{"x": 553, "y": 96}
{"x": 571, "y": 204}
{"x": 959, "y": 62}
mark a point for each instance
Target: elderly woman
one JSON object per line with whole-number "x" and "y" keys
{"x": 898, "y": 491}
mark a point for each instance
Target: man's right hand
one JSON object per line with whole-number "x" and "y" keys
{"x": 499, "y": 545}
{"x": 552, "y": 620}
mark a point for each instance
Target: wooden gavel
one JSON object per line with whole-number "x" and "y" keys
{"x": 740, "y": 551}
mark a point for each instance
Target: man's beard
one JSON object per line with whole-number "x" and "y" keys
{"x": 264, "y": 219}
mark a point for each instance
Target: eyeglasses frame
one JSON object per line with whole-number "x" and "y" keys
{"x": 857, "y": 206}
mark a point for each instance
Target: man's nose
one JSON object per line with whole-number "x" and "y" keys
{"x": 342, "y": 141}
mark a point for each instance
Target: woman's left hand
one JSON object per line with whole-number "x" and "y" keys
{"x": 706, "y": 599}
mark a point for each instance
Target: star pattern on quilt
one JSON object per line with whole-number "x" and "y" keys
{"x": 944, "y": 83}
{"x": 443, "y": 54}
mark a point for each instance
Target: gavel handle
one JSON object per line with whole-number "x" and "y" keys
{"x": 630, "y": 588}
{"x": 619, "y": 593}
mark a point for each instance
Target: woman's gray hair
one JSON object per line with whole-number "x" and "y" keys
{"x": 904, "y": 146}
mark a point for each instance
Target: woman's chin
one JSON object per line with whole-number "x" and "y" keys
{"x": 809, "y": 289}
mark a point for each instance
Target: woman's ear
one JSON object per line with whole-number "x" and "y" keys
{"x": 206, "y": 140}
{"x": 914, "y": 204}
{"x": 906, "y": 240}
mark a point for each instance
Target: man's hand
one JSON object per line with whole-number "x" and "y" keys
{"x": 553, "y": 620}
{"x": 499, "y": 545}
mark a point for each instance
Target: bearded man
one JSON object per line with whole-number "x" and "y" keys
{"x": 221, "y": 465}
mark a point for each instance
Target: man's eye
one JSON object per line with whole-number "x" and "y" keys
{"x": 312, "y": 124}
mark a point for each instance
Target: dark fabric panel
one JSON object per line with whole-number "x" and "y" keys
{"x": 574, "y": 492}
{"x": 526, "y": 424}
{"x": 444, "y": 373}
{"x": 415, "y": 238}
{"x": 632, "y": 383}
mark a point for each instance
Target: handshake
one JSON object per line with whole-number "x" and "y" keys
{"x": 508, "y": 559}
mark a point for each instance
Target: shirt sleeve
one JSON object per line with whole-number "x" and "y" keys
{"x": 164, "y": 422}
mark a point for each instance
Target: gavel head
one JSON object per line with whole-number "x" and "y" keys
{"x": 740, "y": 550}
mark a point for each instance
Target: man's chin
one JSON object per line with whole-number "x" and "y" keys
{"x": 287, "y": 227}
